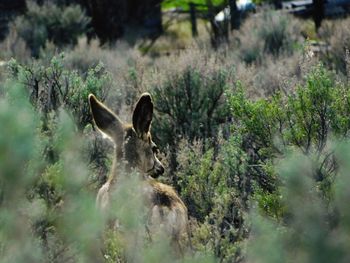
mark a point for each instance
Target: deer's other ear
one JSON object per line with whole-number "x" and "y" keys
{"x": 105, "y": 120}
{"x": 143, "y": 113}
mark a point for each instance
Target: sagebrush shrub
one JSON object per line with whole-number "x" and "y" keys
{"x": 190, "y": 105}
{"x": 337, "y": 36}
{"x": 53, "y": 86}
{"x": 304, "y": 119}
{"x": 61, "y": 25}
{"x": 271, "y": 76}
{"x": 14, "y": 46}
{"x": 268, "y": 33}
{"x": 215, "y": 188}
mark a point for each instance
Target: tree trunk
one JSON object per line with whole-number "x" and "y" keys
{"x": 318, "y": 13}
{"x": 193, "y": 19}
{"x": 112, "y": 18}
{"x": 234, "y": 15}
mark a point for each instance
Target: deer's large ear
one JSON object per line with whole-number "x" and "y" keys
{"x": 105, "y": 120}
{"x": 143, "y": 113}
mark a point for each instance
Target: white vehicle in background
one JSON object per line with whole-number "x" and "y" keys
{"x": 303, "y": 8}
{"x": 243, "y": 7}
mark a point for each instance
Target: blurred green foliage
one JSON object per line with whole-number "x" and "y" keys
{"x": 315, "y": 231}
{"x": 41, "y": 200}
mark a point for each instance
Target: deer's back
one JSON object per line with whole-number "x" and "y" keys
{"x": 167, "y": 211}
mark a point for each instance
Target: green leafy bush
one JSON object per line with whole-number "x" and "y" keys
{"x": 190, "y": 105}
{"x": 305, "y": 119}
{"x": 53, "y": 86}
{"x": 216, "y": 191}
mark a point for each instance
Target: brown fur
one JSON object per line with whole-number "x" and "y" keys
{"x": 167, "y": 212}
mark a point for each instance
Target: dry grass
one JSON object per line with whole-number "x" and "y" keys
{"x": 177, "y": 36}
{"x": 14, "y": 47}
{"x": 336, "y": 34}
{"x": 268, "y": 32}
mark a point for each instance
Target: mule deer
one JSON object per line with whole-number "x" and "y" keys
{"x": 134, "y": 145}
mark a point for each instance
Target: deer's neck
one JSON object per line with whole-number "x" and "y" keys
{"x": 112, "y": 178}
